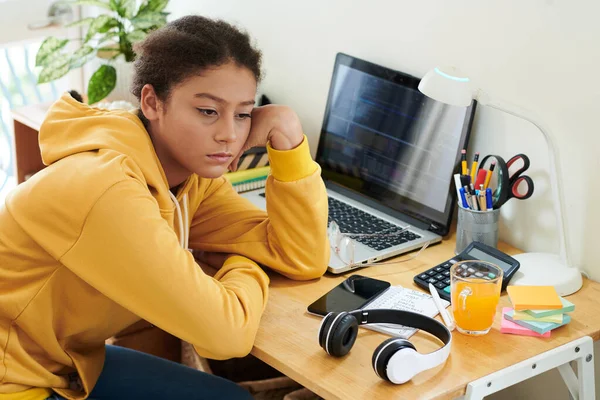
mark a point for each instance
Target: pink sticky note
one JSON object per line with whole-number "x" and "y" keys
{"x": 507, "y": 326}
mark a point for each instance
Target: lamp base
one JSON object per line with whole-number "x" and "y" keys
{"x": 546, "y": 269}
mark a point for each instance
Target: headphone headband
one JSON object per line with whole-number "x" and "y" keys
{"x": 406, "y": 318}
{"x": 396, "y": 359}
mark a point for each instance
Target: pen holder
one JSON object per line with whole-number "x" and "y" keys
{"x": 476, "y": 226}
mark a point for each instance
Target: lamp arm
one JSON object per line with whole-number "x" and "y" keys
{"x": 557, "y": 191}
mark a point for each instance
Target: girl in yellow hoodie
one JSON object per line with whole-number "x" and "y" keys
{"x": 98, "y": 239}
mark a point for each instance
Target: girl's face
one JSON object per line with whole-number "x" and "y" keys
{"x": 204, "y": 123}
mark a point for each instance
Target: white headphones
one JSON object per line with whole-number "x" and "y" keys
{"x": 395, "y": 360}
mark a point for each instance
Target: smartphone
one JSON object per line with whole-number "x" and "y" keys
{"x": 355, "y": 292}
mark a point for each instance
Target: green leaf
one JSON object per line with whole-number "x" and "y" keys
{"x": 125, "y": 8}
{"x": 148, "y": 20}
{"x": 47, "y": 48}
{"x": 102, "y": 83}
{"x": 100, "y": 24}
{"x": 128, "y": 8}
{"x": 108, "y": 53}
{"x": 136, "y": 36}
{"x": 56, "y": 69}
{"x": 110, "y": 36}
{"x": 157, "y": 5}
{"x": 153, "y": 5}
{"x": 81, "y": 56}
{"x": 97, "y": 3}
{"x": 80, "y": 22}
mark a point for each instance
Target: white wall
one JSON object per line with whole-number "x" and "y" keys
{"x": 534, "y": 54}
{"x": 541, "y": 55}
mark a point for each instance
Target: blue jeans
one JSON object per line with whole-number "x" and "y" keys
{"x": 130, "y": 374}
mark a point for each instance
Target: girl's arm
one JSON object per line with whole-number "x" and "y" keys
{"x": 291, "y": 239}
{"x": 129, "y": 253}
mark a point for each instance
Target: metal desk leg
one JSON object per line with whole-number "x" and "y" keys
{"x": 582, "y": 386}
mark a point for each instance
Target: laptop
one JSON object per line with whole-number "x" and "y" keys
{"x": 388, "y": 154}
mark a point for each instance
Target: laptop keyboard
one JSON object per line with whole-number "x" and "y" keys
{"x": 353, "y": 220}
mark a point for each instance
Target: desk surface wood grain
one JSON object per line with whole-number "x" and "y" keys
{"x": 287, "y": 338}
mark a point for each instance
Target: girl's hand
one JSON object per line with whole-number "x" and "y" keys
{"x": 276, "y": 124}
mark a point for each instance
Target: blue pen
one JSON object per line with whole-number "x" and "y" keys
{"x": 488, "y": 196}
{"x": 463, "y": 198}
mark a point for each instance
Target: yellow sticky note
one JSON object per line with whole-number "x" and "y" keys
{"x": 523, "y": 316}
{"x": 533, "y": 297}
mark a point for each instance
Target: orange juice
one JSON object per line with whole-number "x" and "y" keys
{"x": 475, "y": 312}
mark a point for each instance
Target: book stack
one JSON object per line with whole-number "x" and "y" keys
{"x": 536, "y": 311}
{"x": 253, "y": 170}
{"x": 248, "y": 179}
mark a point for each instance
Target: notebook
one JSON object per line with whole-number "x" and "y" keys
{"x": 534, "y": 297}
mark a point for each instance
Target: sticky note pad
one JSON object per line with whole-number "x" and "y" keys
{"x": 567, "y": 307}
{"x": 524, "y": 316}
{"x": 534, "y": 298}
{"x": 539, "y": 327}
{"x": 507, "y": 326}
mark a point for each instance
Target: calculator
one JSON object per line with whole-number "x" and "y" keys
{"x": 439, "y": 276}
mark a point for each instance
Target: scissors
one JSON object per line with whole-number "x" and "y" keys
{"x": 511, "y": 184}
{"x": 516, "y": 179}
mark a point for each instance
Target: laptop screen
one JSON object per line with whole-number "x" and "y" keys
{"x": 384, "y": 139}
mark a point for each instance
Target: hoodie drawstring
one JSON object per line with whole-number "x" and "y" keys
{"x": 184, "y": 230}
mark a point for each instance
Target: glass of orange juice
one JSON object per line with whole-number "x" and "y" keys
{"x": 475, "y": 290}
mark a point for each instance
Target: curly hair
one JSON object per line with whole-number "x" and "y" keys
{"x": 186, "y": 47}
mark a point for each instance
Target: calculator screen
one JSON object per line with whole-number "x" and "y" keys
{"x": 483, "y": 256}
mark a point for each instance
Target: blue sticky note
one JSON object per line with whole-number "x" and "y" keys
{"x": 539, "y": 327}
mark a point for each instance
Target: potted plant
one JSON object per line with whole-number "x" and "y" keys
{"x": 108, "y": 37}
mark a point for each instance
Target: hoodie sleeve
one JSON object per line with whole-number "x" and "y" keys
{"x": 290, "y": 238}
{"x": 129, "y": 253}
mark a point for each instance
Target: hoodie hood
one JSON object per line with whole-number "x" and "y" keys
{"x": 72, "y": 127}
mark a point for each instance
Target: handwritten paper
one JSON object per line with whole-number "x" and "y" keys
{"x": 401, "y": 298}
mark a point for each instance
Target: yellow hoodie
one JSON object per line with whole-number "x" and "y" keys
{"x": 93, "y": 243}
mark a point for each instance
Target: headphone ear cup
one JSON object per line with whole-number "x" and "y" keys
{"x": 324, "y": 328}
{"x": 385, "y": 351}
{"x": 341, "y": 334}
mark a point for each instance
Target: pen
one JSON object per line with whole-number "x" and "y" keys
{"x": 463, "y": 198}
{"x": 475, "y": 202}
{"x": 463, "y": 161}
{"x": 443, "y": 312}
{"x": 488, "y": 197}
{"x": 474, "y": 166}
{"x": 474, "y": 199}
{"x": 469, "y": 201}
{"x": 488, "y": 175}
{"x": 465, "y": 180}
{"x": 482, "y": 201}
{"x": 468, "y": 197}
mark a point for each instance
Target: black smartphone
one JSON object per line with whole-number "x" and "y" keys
{"x": 353, "y": 293}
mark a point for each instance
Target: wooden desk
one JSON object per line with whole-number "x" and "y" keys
{"x": 287, "y": 340}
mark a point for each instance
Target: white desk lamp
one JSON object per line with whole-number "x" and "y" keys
{"x": 449, "y": 86}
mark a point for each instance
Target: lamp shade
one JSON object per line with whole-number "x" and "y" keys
{"x": 447, "y": 85}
